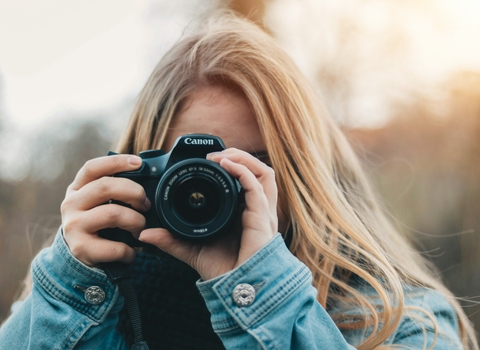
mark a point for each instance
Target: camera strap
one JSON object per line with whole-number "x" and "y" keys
{"x": 118, "y": 273}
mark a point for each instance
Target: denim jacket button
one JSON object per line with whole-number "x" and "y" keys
{"x": 244, "y": 295}
{"x": 94, "y": 295}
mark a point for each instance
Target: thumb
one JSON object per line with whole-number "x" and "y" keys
{"x": 164, "y": 240}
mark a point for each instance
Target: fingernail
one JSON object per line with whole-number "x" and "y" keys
{"x": 147, "y": 203}
{"x": 134, "y": 160}
{"x": 213, "y": 155}
{"x": 225, "y": 160}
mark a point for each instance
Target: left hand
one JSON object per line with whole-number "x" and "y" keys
{"x": 259, "y": 220}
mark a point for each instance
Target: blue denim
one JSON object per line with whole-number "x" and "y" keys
{"x": 284, "y": 314}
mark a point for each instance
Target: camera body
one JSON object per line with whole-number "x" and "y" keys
{"x": 192, "y": 197}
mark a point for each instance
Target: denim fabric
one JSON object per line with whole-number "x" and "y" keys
{"x": 56, "y": 315}
{"x": 284, "y": 314}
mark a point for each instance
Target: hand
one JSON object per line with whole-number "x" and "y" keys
{"x": 85, "y": 209}
{"x": 259, "y": 220}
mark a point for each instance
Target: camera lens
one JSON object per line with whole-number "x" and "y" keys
{"x": 196, "y": 200}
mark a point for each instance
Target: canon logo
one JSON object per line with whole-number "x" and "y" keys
{"x": 205, "y": 142}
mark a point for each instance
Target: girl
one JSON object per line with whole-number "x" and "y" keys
{"x": 314, "y": 265}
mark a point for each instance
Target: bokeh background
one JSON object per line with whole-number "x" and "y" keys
{"x": 401, "y": 77}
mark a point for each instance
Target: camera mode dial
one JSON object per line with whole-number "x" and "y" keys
{"x": 151, "y": 153}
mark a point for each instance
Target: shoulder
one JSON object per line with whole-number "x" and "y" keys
{"x": 427, "y": 318}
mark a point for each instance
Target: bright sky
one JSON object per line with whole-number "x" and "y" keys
{"x": 58, "y": 55}
{"x": 428, "y": 41}
{"x": 63, "y": 58}
{"x": 459, "y": 43}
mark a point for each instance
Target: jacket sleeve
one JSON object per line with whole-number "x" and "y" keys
{"x": 269, "y": 303}
{"x": 70, "y": 306}
{"x": 281, "y": 311}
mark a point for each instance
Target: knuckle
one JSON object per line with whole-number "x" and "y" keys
{"x": 119, "y": 251}
{"x": 111, "y": 212}
{"x": 139, "y": 192}
{"x": 259, "y": 187}
{"x": 65, "y": 205}
{"x": 70, "y": 188}
{"x": 137, "y": 223}
{"x": 116, "y": 251}
{"x": 118, "y": 160}
{"x": 102, "y": 185}
{"x": 67, "y": 227}
{"x": 75, "y": 243}
{"x": 88, "y": 168}
{"x": 269, "y": 171}
{"x": 118, "y": 163}
{"x": 78, "y": 250}
{"x": 140, "y": 220}
{"x": 71, "y": 225}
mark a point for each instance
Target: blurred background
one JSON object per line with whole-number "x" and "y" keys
{"x": 401, "y": 77}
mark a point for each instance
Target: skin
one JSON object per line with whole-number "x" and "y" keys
{"x": 212, "y": 110}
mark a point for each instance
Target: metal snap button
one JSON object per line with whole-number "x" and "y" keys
{"x": 94, "y": 295}
{"x": 244, "y": 294}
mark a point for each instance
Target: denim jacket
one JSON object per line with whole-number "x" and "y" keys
{"x": 73, "y": 306}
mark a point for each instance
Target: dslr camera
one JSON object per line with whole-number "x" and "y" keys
{"x": 192, "y": 197}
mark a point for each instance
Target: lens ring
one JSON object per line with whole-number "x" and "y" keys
{"x": 226, "y": 187}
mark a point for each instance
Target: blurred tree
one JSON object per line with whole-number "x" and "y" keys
{"x": 254, "y": 10}
{"x": 426, "y": 168}
{"x": 360, "y": 55}
{"x": 6, "y": 191}
{"x": 32, "y": 205}
{"x": 2, "y": 104}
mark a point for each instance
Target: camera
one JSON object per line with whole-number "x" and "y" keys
{"x": 192, "y": 197}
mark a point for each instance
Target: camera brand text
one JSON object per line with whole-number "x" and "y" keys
{"x": 206, "y": 142}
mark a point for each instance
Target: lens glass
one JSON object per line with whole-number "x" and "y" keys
{"x": 196, "y": 200}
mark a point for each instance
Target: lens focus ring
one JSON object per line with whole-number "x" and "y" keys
{"x": 196, "y": 198}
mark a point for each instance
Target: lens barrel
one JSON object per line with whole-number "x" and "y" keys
{"x": 196, "y": 198}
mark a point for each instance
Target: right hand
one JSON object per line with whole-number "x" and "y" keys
{"x": 86, "y": 209}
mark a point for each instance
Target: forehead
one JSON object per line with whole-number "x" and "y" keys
{"x": 221, "y": 112}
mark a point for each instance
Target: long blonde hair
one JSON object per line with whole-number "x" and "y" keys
{"x": 336, "y": 225}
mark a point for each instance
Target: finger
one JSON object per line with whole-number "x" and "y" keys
{"x": 257, "y": 167}
{"x": 263, "y": 172}
{"x": 164, "y": 240}
{"x": 107, "y": 216}
{"x": 106, "y": 188}
{"x": 259, "y": 219}
{"x": 105, "y": 166}
{"x": 97, "y": 250}
{"x": 254, "y": 190}
{"x": 265, "y": 182}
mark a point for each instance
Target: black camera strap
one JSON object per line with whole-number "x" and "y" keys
{"x": 118, "y": 274}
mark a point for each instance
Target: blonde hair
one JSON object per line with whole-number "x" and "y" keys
{"x": 336, "y": 225}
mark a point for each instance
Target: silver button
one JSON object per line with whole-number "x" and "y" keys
{"x": 244, "y": 294}
{"x": 94, "y": 295}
